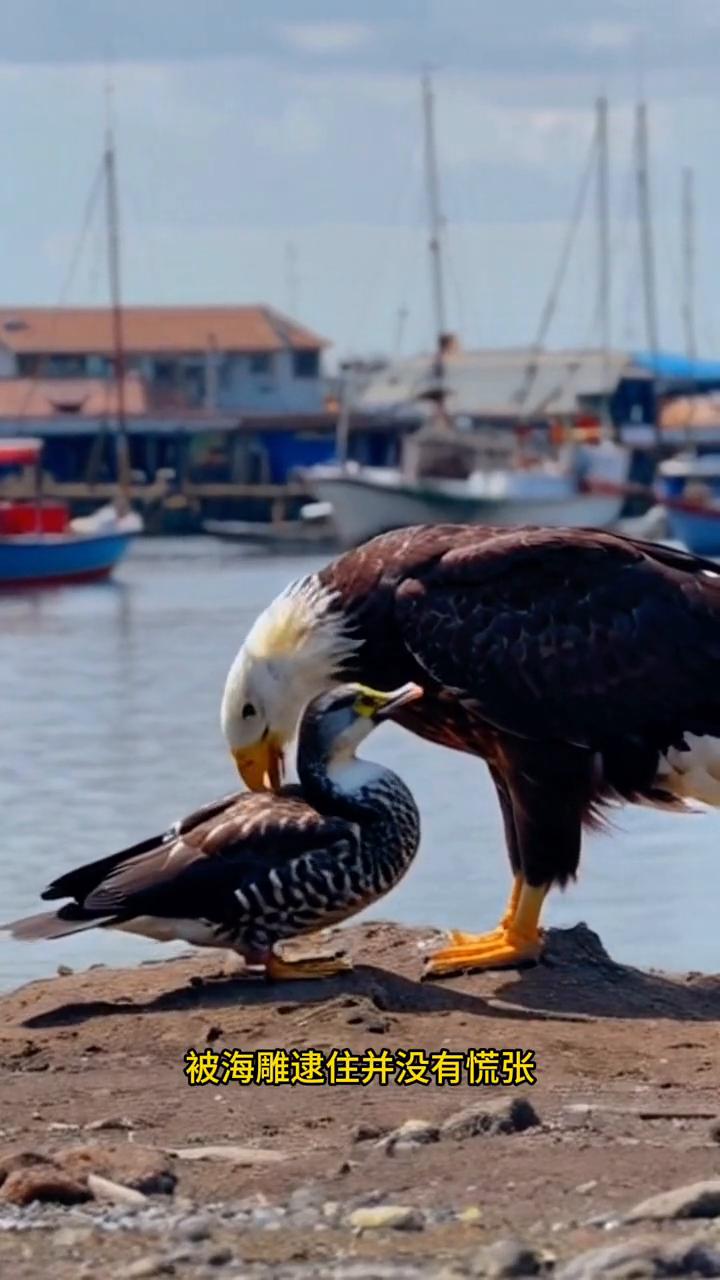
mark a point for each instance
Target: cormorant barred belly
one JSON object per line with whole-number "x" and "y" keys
{"x": 255, "y": 868}
{"x": 582, "y": 666}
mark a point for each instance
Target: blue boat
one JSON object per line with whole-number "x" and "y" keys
{"x": 38, "y": 545}
{"x": 690, "y": 493}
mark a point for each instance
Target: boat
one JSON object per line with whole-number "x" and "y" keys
{"x": 690, "y": 493}
{"x": 38, "y": 546}
{"x": 451, "y": 471}
{"x": 588, "y": 488}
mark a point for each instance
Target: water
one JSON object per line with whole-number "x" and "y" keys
{"x": 110, "y": 696}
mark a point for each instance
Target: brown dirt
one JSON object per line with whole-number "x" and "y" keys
{"x": 639, "y": 1049}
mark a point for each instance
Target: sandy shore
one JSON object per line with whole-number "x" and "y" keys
{"x": 625, "y": 1100}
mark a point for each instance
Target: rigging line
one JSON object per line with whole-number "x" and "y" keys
{"x": 548, "y": 311}
{"x": 88, "y": 213}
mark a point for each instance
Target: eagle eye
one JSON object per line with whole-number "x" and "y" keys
{"x": 248, "y": 711}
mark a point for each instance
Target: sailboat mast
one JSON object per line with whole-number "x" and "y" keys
{"x": 113, "y": 250}
{"x": 435, "y": 219}
{"x": 603, "y": 227}
{"x": 688, "y": 245}
{"x": 647, "y": 252}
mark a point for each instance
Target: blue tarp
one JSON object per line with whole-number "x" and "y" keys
{"x": 667, "y": 364}
{"x": 287, "y": 451}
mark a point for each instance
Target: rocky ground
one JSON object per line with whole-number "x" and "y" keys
{"x": 113, "y": 1165}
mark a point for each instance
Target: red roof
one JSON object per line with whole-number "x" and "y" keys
{"x": 76, "y": 397}
{"x": 152, "y": 330}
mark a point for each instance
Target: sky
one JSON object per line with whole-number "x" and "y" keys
{"x": 273, "y": 151}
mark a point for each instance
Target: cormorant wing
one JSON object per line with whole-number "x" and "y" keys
{"x": 569, "y": 634}
{"x": 225, "y": 852}
{"x": 76, "y": 883}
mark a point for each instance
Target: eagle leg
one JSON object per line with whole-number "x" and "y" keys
{"x": 517, "y": 941}
{"x": 278, "y": 969}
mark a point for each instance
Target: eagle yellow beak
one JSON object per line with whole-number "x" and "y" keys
{"x": 262, "y": 765}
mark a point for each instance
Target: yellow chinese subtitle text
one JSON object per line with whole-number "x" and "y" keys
{"x": 341, "y": 1066}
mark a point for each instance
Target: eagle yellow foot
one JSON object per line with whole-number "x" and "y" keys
{"x": 280, "y": 970}
{"x": 501, "y": 949}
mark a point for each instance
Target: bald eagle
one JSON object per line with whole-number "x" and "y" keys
{"x": 582, "y": 666}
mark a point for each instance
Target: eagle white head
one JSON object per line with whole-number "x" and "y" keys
{"x": 294, "y": 652}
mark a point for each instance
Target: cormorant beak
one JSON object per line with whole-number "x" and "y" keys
{"x": 262, "y": 765}
{"x": 386, "y": 704}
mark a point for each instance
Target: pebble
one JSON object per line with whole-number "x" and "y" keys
{"x": 108, "y": 1122}
{"x": 364, "y": 1132}
{"x": 696, "y": 1200}
{"x": 142, "y": 1268}
{"x": 64, "y": 971}
{"x": 389, "y": 1216}
{"x": 512, "y": 1115}
{"x": 585, "y": 1188}
{"x": 471, "y": 1215}
{"x": 508, "y": 1258}
{"x": 197, "y": 1227}
{"x": 411, "y": 1134}
{"x": 142, "y": 1168}
{"x": 219, "y": 1257}
{"x": 309, "y": 1195}
{"x": 644, "y": 1257}
{"x": 45, "y": 1183}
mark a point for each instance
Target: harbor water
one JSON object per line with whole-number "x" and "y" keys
{"x": 110, "y": 697}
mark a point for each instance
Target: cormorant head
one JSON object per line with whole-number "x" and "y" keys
{"x": 295, "y": 651}
{"x": 335, "y": 723}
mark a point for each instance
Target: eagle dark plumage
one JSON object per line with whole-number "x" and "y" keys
{"x": 582, "y": 666}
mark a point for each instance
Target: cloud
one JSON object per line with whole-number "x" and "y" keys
{"x": 325, "y": 37}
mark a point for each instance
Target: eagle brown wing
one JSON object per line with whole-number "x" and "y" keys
{"x": 570, "y": 635}
{"x": 203, "y": 867}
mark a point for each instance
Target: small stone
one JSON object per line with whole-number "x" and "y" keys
{"x": 194, "y": 1228}
{"x": 364, "y": 1132}
{"x": 411, "y": 1134}
{"x": 309, "y": 1195}
{"x": 388, "y": 1216}
{"x": 470, "y": 1216}
{"x": 62, "y": 1126}
{"x": 248, "y": 1156}
{"x": 115, "y": 1192}
{"x": 143, "y": 1268}
{"x": 64, "y": 971}
{"x": 585, "y": 1188}
{"x": 511, "y": 1115}
{"x": 44, "y": 1183}
{"x": 220, "y": 1257}
{"x": 696, "y": 1200}
{"x": 643, "y": 1257}
{"x": 143, "y": 1168}
{"x": 108, "y": 1122}
{"x": 508, "y": 1258}
{"x": 212, "y": 1034}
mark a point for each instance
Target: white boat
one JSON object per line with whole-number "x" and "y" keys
{"x": 586, "y": 488}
